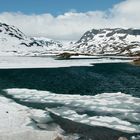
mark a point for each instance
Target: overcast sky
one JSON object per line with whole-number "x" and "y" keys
{"x": 69, "y": 19}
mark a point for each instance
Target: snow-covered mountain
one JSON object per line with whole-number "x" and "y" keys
{"x": 102, "y": 41}
{"x": 13, "y": 41}
{"x": 109, "y": 41}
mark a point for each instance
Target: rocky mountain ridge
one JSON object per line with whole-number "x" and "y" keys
{"x": 106, "y": 41}
{"x": 109, "y": 41}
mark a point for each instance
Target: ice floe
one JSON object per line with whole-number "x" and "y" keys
{"x": 117, "y": 111}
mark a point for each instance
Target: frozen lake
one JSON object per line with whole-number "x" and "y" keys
{"x": 7, "y": 62}
{"x": 100, "y": 95}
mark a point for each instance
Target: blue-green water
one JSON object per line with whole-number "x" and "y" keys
{"x": 76, "y": 80}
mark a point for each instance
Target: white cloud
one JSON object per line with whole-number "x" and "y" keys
{"x": 71, "y": 25}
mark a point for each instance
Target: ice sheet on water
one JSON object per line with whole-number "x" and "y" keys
{"x": 105, "y": 121}
{"x": 118, "y": 111}
{"x": 49, "y": 62}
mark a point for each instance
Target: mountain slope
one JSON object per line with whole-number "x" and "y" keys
{"x": 109, "y": 41}
{"x": 13, "y": 41}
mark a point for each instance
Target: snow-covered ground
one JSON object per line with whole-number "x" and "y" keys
{"x": 123, "y": 109}
{"x": 102, "y": 56}
{"x": 51, "y": 62}
{"x": 15, "y": 122}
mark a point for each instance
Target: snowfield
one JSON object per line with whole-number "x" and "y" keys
{"x": 15, "y": 42}
{"x": 15, "y": 123}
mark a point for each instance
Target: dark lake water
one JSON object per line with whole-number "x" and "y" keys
{"x": 100, "y": 78}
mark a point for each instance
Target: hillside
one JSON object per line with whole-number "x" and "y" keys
{"x": 109, "y": 41}
{"x": 13, "y": 41}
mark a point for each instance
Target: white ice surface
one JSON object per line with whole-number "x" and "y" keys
{"x": 49, "y": 62}
{"x": 15, "y": 122}
{"x": 123, "y": 108}
{"x": 13, "y": 116}
{"x": 28, "y": 135}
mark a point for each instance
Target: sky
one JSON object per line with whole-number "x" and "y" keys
{"x": 54, "y": 7}
{"x": 69, "y": 19}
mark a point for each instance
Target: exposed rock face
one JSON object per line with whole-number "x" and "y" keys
{"x": 109, "y": 41}
{"x": 11, "y": 31}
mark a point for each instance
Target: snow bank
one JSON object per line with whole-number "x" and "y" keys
{"x": 13, "y": 116}
{"x": 15, "y": 123}
{"x": 28, "y": 135}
